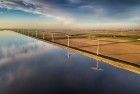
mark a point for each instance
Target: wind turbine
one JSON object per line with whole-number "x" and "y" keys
{"x": 97, "y": 68}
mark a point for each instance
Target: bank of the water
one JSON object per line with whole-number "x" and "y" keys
{"x": 106, "y": 59}
{"x": 36, "y": 67}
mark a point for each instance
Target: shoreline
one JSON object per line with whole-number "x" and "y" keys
{"x": 105, "y": 59}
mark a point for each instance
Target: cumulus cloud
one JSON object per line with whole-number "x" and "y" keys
{"x": 38, "y": 8}
{"x": 16, "y": 5}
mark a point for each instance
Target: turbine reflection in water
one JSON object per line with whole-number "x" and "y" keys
{"x": 44, "y": 69}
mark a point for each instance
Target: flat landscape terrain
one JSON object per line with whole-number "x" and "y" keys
{"x": 121, "y": 49}
{"x": 117, "y": 44}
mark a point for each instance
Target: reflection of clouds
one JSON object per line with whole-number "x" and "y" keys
{"x": 24, "y": 51}
{"x": 44, "y": 69}
{"x": 21, "y": 47}
{"x": 14, "y": 50}
{"x": 7, "y": 78}
{"x": 12, "y": 75}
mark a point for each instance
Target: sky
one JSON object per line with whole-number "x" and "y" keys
{"x": 58, "y": 13}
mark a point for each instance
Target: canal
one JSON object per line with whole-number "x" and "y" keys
{"x": 30, "y": 66}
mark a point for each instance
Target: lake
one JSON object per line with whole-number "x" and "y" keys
{"x": 30, "y": 66}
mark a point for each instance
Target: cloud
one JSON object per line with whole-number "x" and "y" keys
{"x": 49, "y": 10}
{"x": 17, "y": 5}
{"x": 75, "y": 1}
{"x": 78, "y": 11}
{"x": 38, "y": 8}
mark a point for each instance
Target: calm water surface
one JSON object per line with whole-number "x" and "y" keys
{"x": 29, "y": 66}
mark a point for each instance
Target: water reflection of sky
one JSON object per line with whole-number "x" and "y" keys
{"x": 16, "y": 45}
{"x": 28, "y": 66}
